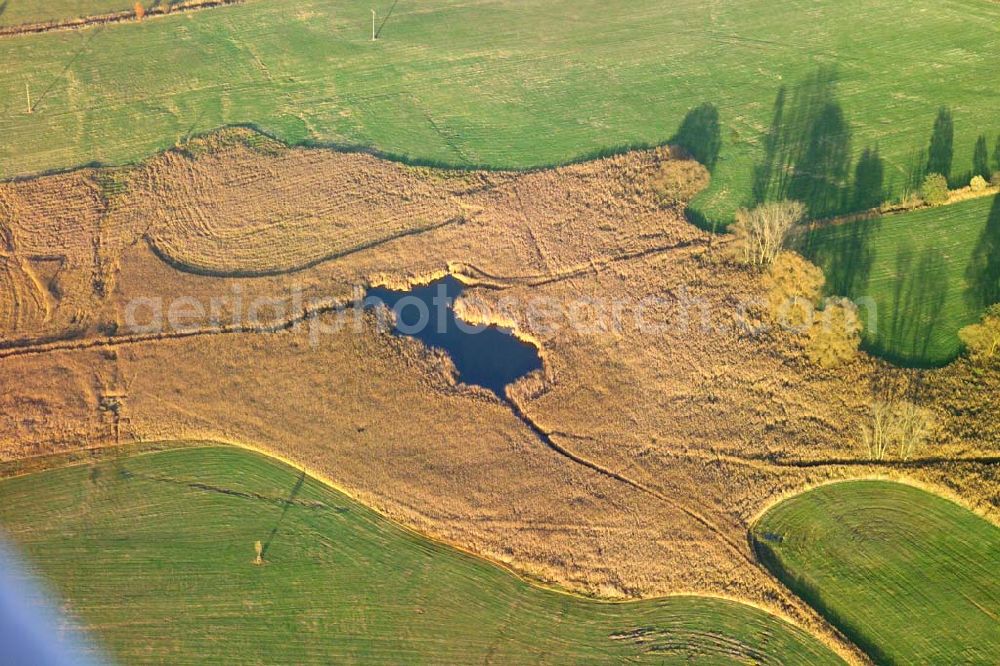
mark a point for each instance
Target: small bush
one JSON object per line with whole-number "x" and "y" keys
{"x": 676, "y": 181}
{"x": 977, "y": 184}
{"x": 934, "y": 189}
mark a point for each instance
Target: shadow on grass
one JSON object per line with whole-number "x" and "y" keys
{"x": 983, "y": 273}
{"x": 807, "y": 150}
{"x": 809, "y": 592}
{"x": 911, "y": 315}
{"x": 846, "y": 255}
{"x": 378, "y": 33}
{"x": 941, "y": 150}
{"x": 869, "y": 181}
{"x": 289, "y": 501}
{"x": 700, "y": 134}
{"x": 66, "y": 66}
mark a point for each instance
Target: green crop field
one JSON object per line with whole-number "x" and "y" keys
{"x": 911, "y": 577}
{"x": 928, "y": 273}
{"x": 155, "y": 553}
{"x": 511, "y": 84}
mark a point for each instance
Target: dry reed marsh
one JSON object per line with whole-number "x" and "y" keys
{"x": 630, "y": 466}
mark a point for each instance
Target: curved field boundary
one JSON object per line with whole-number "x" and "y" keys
{"x": 908, "y": 576}
{"x": 511, "y": 96}
{"x": 205, "y": 271}
{"x": 109, "y": 18}
{"x": 169, "y": 536}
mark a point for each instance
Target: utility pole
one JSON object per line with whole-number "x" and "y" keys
{"x": 374, "y": 36}
{"x": 27, "y": 93}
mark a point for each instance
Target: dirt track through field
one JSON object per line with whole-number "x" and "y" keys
{"x": 547, "y": 439}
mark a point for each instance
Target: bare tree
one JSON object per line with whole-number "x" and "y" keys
{"x": 761, "y": 232}
{"x": 912, "y": 429}
{"x": 899, "y": 426}
{"x": 876, "y": 434}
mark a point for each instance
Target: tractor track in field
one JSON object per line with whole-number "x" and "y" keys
{"x": 110, "y": 18}
{"x": 481, "y": 279}
{"x": 762, "y": 462}
{"x": 477, "y": 278}
{"x": 915, "y": 463}
{"x": 770, "y": 462}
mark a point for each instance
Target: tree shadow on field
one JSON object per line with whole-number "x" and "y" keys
{"x": 869, "y": 181}
{"x": 284, "y": 511}
{"x": 914, "y": 306}
{"x": 3, "y": 6}
{"x": 807, "y": 150}
{"x": 981, "y": 159}
{"x": 700, "y": 135}
{"x": 942, "y": 146}
{"x": 983, "y": 273}
{"x": 846, "y": 255}
{"x": 916, "y": 171}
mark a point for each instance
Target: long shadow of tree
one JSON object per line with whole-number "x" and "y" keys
{"x": 700, "y": 134}
{"x": 981, "y": 159}
{"x": 807, "y": 150}
{"x": 916, "y": 171}
{"x": 821, "y": 177}
{"x": 869, "y": 180}
{"x": 942, "y": 146}
{"x": 914, "y": 307}
{"x": 846, "y": 255}
{"x": 983, "y": 273}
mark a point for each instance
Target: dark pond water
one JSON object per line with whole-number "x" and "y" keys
{"x": 488, "y": 356}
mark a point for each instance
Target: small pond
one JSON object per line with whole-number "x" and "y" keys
{"x": 488, "y": 356}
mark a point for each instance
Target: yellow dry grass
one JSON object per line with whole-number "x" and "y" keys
{"x": 661, "y": 446}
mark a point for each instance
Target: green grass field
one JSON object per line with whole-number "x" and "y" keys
{"x": 908, "y": 575}
{"x": 924, "y": 272}
{"x": 17, "y": 12}
{"x": 499, "y": 83}
{"x": 154, "y": 552}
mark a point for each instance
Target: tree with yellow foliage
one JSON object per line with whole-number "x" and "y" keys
{"x": 982, "y": 340}
{"x": 793, "y": 286}
{"x": 835, "y": 335}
